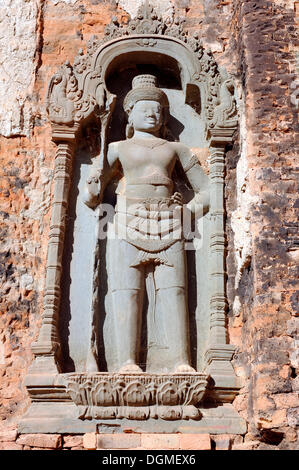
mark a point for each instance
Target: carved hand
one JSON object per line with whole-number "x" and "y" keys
{"x": 177, "y": 198}
{"x": 92, "y": 193}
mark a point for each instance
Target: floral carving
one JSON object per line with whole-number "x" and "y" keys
{"x": 147, "y": 42}
{"x": 138, "y": 396}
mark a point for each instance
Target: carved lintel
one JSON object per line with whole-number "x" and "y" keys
{"x": 137, "y": 396}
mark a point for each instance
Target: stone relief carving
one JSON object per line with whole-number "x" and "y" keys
{"x": 137, "y": 396}
{"x": 147, "y": 246}
{"x": 63, "y": 95}
{"x": 148, "y": 207}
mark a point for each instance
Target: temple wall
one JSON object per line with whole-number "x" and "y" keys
{"x": 255, "y": 42}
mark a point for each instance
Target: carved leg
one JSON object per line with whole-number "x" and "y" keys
{"x": 127, "y": 310}
{"x": 173, "y": 312}
{"x": 126, "y": 284}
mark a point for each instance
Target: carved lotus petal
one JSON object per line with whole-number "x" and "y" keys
{"x": 167, "y": 394}
{"x": 135, "y": 394}
{"x": 85, "y": 389}
{"x": 73, "y": 390}
{"x": 195, "y": 393}
{"x": 182, "y": 392}
{"x": 103, "y": 394}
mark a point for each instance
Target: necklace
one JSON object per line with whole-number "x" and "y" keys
{"x": 150, "y": 143}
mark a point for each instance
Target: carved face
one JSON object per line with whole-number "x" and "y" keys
{"x": 147, "y": 116}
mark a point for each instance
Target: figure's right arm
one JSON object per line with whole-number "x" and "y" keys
{"x": 100, "y": 177}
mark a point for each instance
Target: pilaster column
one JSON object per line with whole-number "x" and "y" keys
{"x": 219, "y": 354}
{"x": 218, "y": 303}
{"x": 47, "y": 345}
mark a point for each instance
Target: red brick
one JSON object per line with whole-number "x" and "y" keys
{"x": 90, "y": 441}
{"x": 249, "y": 445}
{"x": 286, "y": 400}
{"x": 49, "y": 441}
{"x": 222, "y": 441}
{"x": 195, "y": 441}
{"x": 10, "y": 446}
{"x": 72, "y": 441}
{"x": 160, "y": 441}
{"x": 277, "y": 419}
{"x": 8, "y": 436}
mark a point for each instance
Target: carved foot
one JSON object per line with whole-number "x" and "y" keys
{"x": 130, "y": 369}
{"x": 184, "y": 369}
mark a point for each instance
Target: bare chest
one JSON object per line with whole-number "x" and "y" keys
{"x": 138, "y": 158}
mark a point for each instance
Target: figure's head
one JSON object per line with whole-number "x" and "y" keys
{"x": 146, "y": 106}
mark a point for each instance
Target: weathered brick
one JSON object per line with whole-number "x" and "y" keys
{"x": 90, "y": 441}
{"x": 10, "y": 446}
{"x": 160, "y": 441}
{"x": 286, "y": 400}
{"x": 249, "y": 445}
{"x": 118, "y": 441}
{"x": 8, "y": 436}
{"x": 274, "y": 420}
{"x": 195, "y": 441}
{"x": 49, "y": 441}
{"x": 72, "y": 441}
{"x": 222, "y": 441}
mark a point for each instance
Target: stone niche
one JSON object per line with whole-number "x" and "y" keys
{"x": 112, "y": 354}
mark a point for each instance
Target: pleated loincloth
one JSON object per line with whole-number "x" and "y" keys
{"x": 152, "y": 225}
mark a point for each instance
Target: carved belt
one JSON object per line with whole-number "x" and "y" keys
{"x": 155, "y": 179}
{"x": 151, "y": 225}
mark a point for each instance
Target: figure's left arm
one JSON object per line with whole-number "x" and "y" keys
{"x": 198, "y": 180}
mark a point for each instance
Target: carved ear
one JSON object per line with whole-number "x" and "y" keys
{"x": 129, "y": 130}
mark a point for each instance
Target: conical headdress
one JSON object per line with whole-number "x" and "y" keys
{"x": 144, "y": 87}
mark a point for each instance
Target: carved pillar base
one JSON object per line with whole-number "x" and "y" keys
{"x": 80, "y": 403}
{"x": 224, "y": 384}
{"x": 137, "y": 396}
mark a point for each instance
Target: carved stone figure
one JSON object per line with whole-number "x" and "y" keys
{"x": 147, "y": 246}
{"x": 114, "y": 343}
